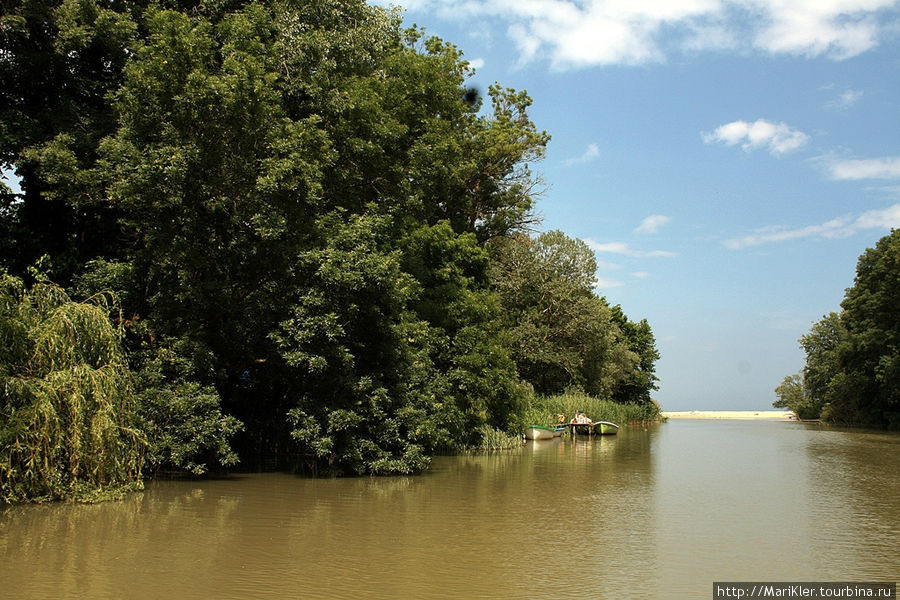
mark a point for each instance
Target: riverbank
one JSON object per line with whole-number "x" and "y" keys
{"x": 760, "y": 415}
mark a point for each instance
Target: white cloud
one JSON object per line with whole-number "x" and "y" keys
{"x": 700, "y": 37}
{"x": 605, "y": 282}
{"x": 778, "y": 138}
{"x": 607, "y": 266}
{"x": 591, "y": 153}
{"x": 837, "y": 29}
{"x": 601, "y": 283}
{"x": 879, "y": 219}
{"x": 625, "y": 250}
{"x": 640, "y": 274}
{"x": 836, "y": 228}
{"x": 652, "y": 224}
{"x": 847, "y": 99}
{"x": 476, "y": 63}
{"x": 578, "y": 33}
{"x": 870, "y": 168}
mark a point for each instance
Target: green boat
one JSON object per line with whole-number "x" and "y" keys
{"x": 606, "y": 428}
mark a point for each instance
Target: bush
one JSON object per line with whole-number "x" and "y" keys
{"x": 182, "y": 419}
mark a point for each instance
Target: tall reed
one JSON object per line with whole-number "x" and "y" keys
{"x": 493, "y": 439}
{"x": 547, "y": 410}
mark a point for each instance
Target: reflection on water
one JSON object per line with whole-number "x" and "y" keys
{"x": 650, "y": 513}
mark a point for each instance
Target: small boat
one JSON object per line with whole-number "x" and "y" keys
{"x": 560, "y": 429}
{"x": 606, "y": 428}
{"x": 540, "y": 432}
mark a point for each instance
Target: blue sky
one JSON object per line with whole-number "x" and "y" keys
{"x": 728, "y": 161}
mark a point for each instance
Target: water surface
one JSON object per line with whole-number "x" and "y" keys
{"x": 657, "y": 512}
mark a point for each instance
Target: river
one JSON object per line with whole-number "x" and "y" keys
{"x": 655, "y": 512}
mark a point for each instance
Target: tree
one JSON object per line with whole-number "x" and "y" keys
{"x": 298, "y": 205}
{"x": 852, "y": 371}
{"x": 293, "y": 204}
{"x": 465, "y": 319}
{"x": 60, "y": 59}
{"x": 793, "y": 395}
{"x": 68, "y": 426}
{"x": 346, "y": 347}
{"x": 636, "y": 386}
{"x": 808, "y": 392}
{"x": 823, "y": 346}
{"x": 869, "y": 389}
{"x": 560, "y": 333}
{"x": 275, "y": 171}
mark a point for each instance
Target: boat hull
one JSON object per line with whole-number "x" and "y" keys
{"x": 606, "y": 428}
{"x": 539, "y": 432}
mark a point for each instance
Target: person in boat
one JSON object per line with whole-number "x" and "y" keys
{"x": 581, "y": 418}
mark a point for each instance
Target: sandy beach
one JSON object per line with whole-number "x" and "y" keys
{"x": 767, "y": 415}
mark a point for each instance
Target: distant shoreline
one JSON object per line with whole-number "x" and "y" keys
{"x": 760, "y": 415}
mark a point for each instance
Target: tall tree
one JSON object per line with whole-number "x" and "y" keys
{"x": 58, "y": 61}
{"x": 868, "y": 390}
{"x": 298, "y": 203}
{"x": 852, "y": 371}
{"x": 274, "y": 173}
{"x": 560, "y": 333}
{"x": 808, "y": 392}
{"x": 637, "y": 385}
{"x": 823, "y": 346}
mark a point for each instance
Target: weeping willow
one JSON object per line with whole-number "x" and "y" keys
{"x": 67, "y": 404}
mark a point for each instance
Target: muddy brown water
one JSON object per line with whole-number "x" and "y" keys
{"x": 656, "y": 512}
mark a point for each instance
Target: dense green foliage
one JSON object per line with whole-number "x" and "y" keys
{"x": 315, "y": 229}
{"x": 852, "y": 372}
{"x": 792, "y": 395}
{"x": 67, "y": 406}
{"x": 560, "y": 332}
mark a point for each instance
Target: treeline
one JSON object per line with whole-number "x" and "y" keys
{"x": 852, "y": 371}
{"x": 307, "y": 237}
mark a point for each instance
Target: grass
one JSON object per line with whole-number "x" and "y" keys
{"x": 493, "y": 439}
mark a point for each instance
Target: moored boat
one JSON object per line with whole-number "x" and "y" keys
{"x": 606, "y": 428}
{"x": 540, "y": 432}
{"x": 559, "y": 430}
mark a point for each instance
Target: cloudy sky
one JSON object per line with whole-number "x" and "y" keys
{"x": 727, "y": 161}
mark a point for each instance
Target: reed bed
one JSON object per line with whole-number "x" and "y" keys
{"x": 549, "y": 410}
{"x": 494, "y": 439}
